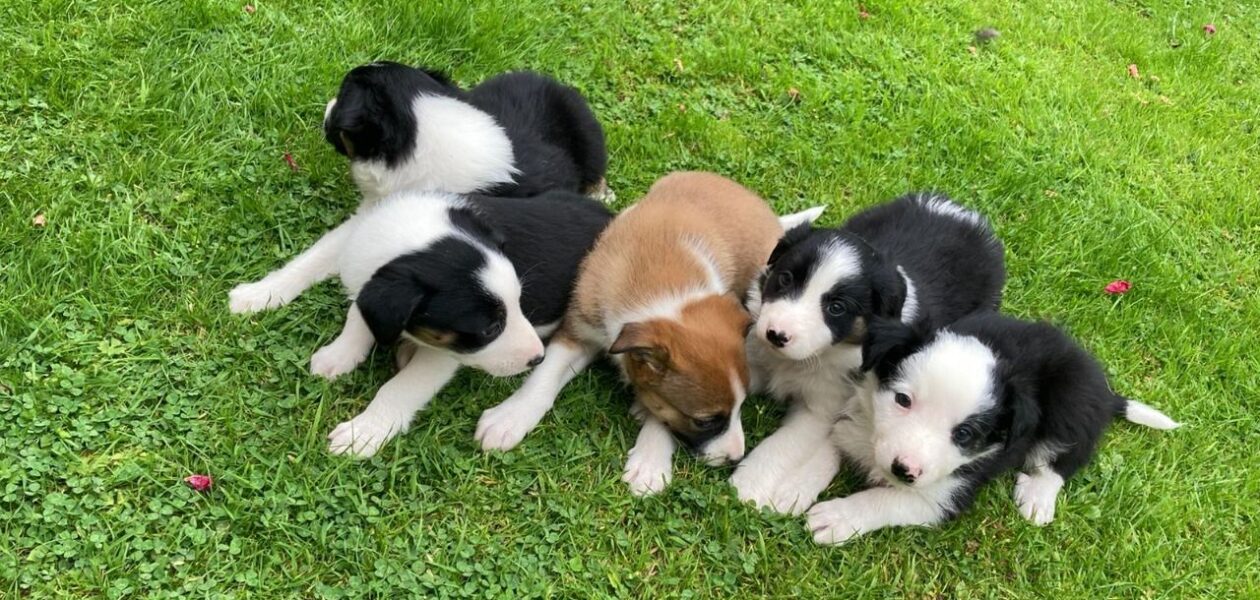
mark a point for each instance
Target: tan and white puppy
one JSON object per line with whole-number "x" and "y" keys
{"x": 661, "y": 293}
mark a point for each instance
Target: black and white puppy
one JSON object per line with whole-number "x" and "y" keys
{"x": 942, "y": 413}
{"x": 470, "y": 280}
{"x": 403, "y": 128}
{"x": 920, "y": 258}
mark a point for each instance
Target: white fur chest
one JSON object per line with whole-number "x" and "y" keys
{"x": 821, "y": 383}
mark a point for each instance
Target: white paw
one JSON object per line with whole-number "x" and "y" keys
{"x": 755, "y": 482}
{"x": 648, "y": 472}
{"x": 836, "y": 521}
{"x": 256, "y": 296}
{"x": 504, "y": 426}
{"x": 363, "y": 435}
{"x": 792, "y": 499}
{"x": 335, "y": 360}
{"x": 1036, "y": 496}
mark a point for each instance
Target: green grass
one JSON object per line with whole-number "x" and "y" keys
{"x": 151, "y": 134}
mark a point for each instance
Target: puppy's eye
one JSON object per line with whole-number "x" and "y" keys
{"x": 963, "y": 434}
{"x": 493, "y": 330}
{"x": 902, "y": 400}
{"x": 785, "y": 279}
{"x": 835, "y": 308}
{"x": 707, "y": 423}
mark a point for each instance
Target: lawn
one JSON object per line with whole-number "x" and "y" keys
{"x": 142, "y": 176}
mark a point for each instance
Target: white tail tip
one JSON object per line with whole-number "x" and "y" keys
{"x": 1139, "y": 413}
{"x": 805, "y": 216}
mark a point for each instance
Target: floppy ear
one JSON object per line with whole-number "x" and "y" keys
{"x": 804, "y": 217}
{"x": 790, "y": 238}
{"x": 467, "y": 220}
{"x": 888, "y": 290}
{"x": 1021, "y": 407}
{"x": 638, "y": 342}
{"x": 350, "y": 130}
{"x": 387, "y": 303}
{"x": 887, "y": 343}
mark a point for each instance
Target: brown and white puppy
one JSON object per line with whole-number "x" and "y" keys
{"x": 661, "y": 293}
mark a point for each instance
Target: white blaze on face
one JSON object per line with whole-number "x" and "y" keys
{"x": 948, "y": 381}
{"x": 729, "y": 447}
{"x": 800, "y": 319}
{"x": 518, "y": 344}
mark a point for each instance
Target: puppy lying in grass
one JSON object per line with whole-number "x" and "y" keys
{"x": 941, "y": 413}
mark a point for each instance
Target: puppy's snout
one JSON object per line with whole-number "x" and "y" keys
{"x": 537, "y": 360}
{"x": 777, "y": 338}
{"x": 907, "y": 473}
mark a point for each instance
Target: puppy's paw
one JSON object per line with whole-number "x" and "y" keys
{"x": 363, "y": 435}
{"x": 257, "y": 296}
{"x": 755, "y": 481}
{"x": 793, "y": 498}
{"x": 504, "y": 426}
{"x": 1036, "y": 495}
{"x": 836, "y": 521}
{"x": 647, "y": 473}
{"x": 335, "y": 360}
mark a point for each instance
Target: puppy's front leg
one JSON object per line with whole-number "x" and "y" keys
{"x": 397, "y": 402}
{"x": 504, "y": 426}
{"x": 836, "y": 521}
{"x": 281, "y": 286}
{"x": 781, "y": 472}
{"x": 347, "y": 351}
{"x": 650, "y": 464}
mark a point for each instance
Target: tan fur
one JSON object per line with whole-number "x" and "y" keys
{"x": 681, "y": 367}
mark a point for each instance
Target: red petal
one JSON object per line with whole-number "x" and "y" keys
{"x": 1133, "y": 72}
{"x": 1209, "y": 29}
{"x": 200, "y": 483}
{"x": 1117, "y": 287}
{"x": 288, "y": 158}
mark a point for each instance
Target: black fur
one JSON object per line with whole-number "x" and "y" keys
{"x": 544, "y": 237}
{"x": 956, "y": 267}
{"x": 1050, "y": 392}
{"x": 556, "y": 139}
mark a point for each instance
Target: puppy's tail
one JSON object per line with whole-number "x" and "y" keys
{"x": 805, "y": 216}
{"x": 1142, "y": 414}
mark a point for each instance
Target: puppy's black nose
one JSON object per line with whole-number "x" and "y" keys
{"x": 777, "y": 338}
{"x": 902, "y": 472}
{"x": 537, "y": 360}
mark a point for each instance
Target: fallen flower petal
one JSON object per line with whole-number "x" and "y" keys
{"x": 288, "y": 158}
{"x": 200, "y": 483}
{"x": 862, "y": 14}
{"x": 1133, "y": 72}
{"x": 1118, "y": 287}
{"x": 1209, "y": 29}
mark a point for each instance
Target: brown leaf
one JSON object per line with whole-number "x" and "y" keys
{"x": 678, "y": 64}
{"x": 794, "y": 94}
{"x": 249, "y": 9}
{"x": 40, "y": 220}
{"x": 862, "y": 14}
{"x": 1133, "y": 72}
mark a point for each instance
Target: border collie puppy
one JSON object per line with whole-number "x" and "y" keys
{"x": 475, "y": 280}
{"x": 942, "y": 413}
{"x": 920, "y": 258}
{"x": 517, "y": 134}
{"x": 661, "y": 293}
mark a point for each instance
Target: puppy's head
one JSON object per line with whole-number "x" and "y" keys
{"x": 821, "y": 287}
{"x": 460, "y": 295}
{"x": 372, "y": 118}
{"x": 939, "y": 401}
{"x": 691, "y": 373}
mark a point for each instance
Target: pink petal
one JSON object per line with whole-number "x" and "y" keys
{"x": 1133, "y": 72}
{"x": 200, "y": 483}
{"x": 1118, "y": 287}
{"x": 288, "y": 158}
{"x": 1209, "y": 29}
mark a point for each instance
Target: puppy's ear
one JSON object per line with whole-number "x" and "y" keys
{"x": 351, "y": 127}
{"x": 387, "y": 303}
{"x": 1021, "y": 408}
{"x": 887, "y": 343}
{"x": 888, "y": 290}
{"x": 805, "y": 216}
{"x": 790, "y": 238}
{"x": 467, "y": 220}
{"x": 638, "y": 342}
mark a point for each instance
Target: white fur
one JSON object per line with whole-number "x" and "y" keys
{"x": 947, "y": 381}
{"x": 728, "y": 447}
{"x": 648, "y": 466}
{"x": 909, "y": 308}
{"x": 347, "y": 351}
{"x": 946, "y": 207}
{"x": 801, "y": 318}
{"x": 395, "y": 404}
{"x": 400, "y": 224}
{"x": 519, "y": 343}
{"x": 505, "y": 425}
{"x": 288, "y": 282}
{"x": 788, "y": 470}
{"x": 1036, "y": 494}
{"x": 1142, "y": 414}
{"x": 837, "y": 521}
{"x": 459, "y": 149}
{"x": 808, "y": 215}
